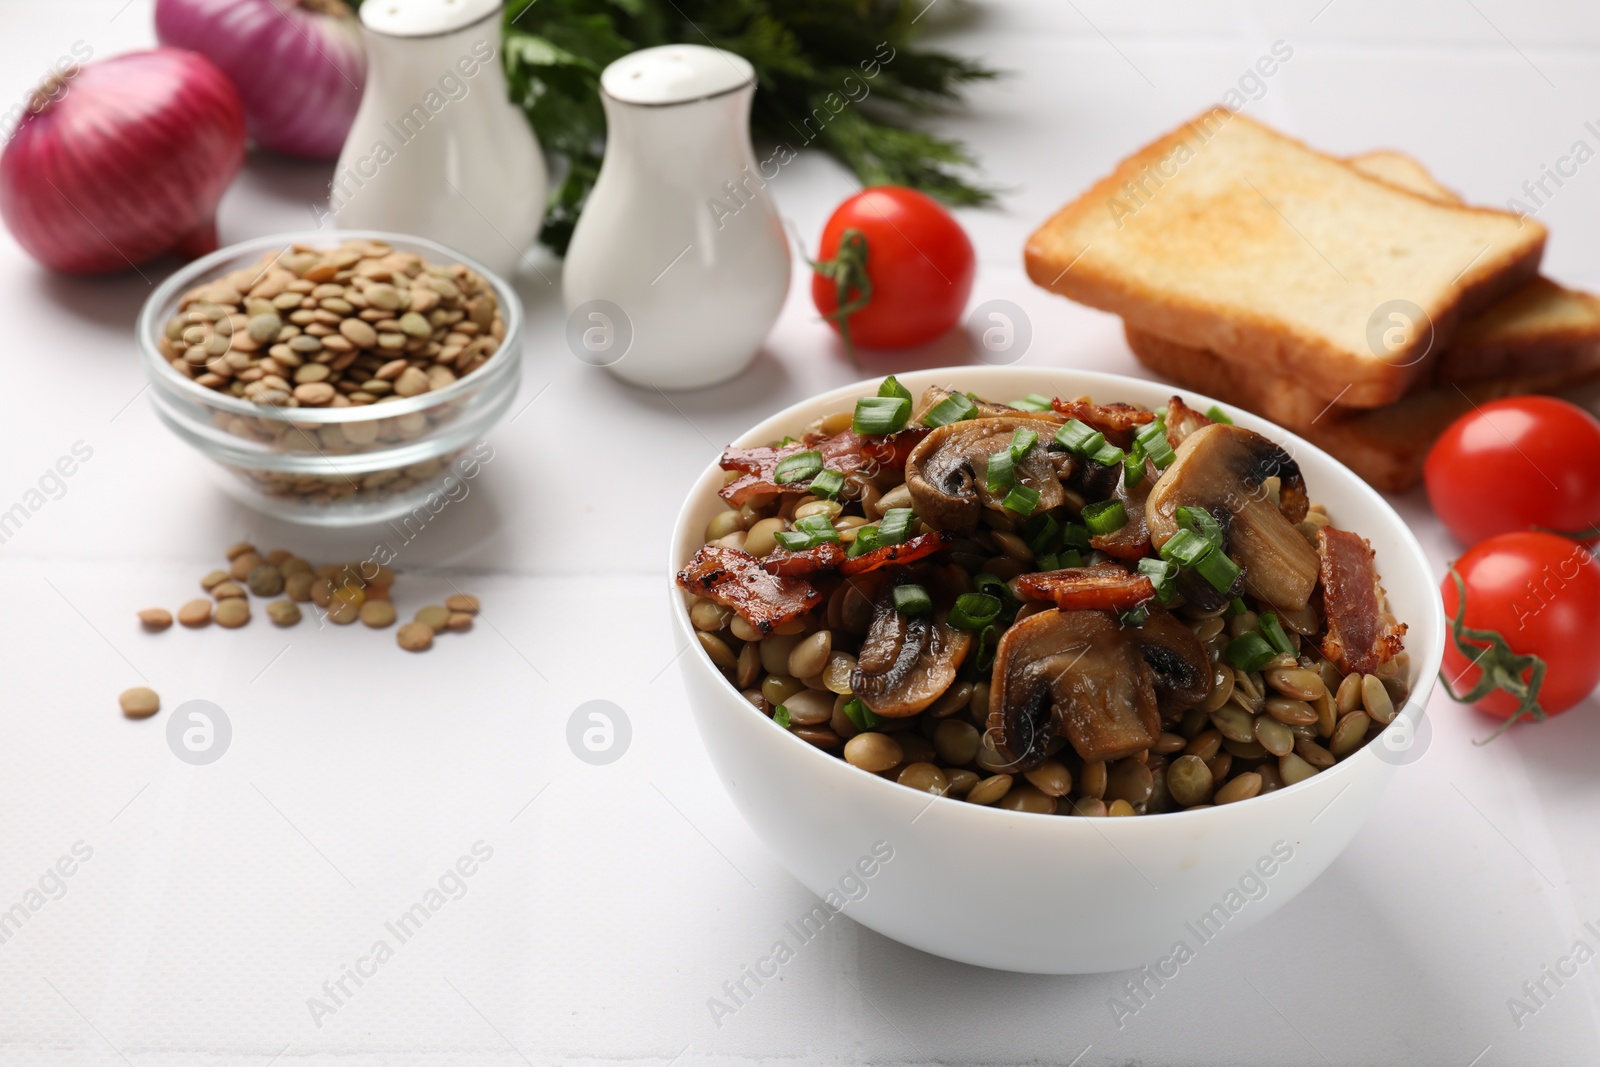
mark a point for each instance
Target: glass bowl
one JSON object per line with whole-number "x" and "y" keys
{"x": 333, "y": 466}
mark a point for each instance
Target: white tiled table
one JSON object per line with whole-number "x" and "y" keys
{"x": 218, "y": 899}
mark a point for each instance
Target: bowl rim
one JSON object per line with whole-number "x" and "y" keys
{"x": 192, "y": 274}
{"x": 1099, "y": 383}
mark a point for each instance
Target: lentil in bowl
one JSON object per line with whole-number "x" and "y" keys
{"x": 1052, "y": 605}
{"x": 334, "y": 379}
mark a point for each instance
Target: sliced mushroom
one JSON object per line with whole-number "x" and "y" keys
{"x": 1222, "y": 469}
{"x": 907, "y": 661}
{"x": 936, "y": 394}
{"x": 946, "y": 472}
{"x": 1077, "y": 674}
{"x": 1182, "y": 668}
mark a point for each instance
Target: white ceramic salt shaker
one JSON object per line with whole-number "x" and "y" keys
{"x": 437, "y": 149}
{"x": 679, "y": 233}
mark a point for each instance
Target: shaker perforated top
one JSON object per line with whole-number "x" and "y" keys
{"x": 424, "y": 18}
{"x": 674, "y": 74}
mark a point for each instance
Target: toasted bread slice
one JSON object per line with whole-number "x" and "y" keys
{"x": 1228, "y": 236}
{"x": 1386, "y": 446}
{"x": 1397, "y": 168}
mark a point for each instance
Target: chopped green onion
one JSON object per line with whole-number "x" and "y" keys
{"x": 1149, "y": 431}
{"x": 860, "y": 716}
{"x": 912, "y": 600}
{"x": 1022, "y": 441}
{"x": 1033, "y": 402}
{"x": 984, "y": 582}
{"x": 1002, "y": 472}
{"x": 1201, "y": 522}
{"x": 1272, "y": 630}
{"x": 1160, "y": 452}
{"x": 793, "y": 540}
{"x": 1236, "y": 606}
{"x": 800, "y": 467}
{"x": 974, "y": 611}
{"x": 1107, "y": 455}
{"x": 891, "y": 387}
{"x": 827, "y": 484}
{"x": 1218, "y": 570}
{"x": 1161, "y": 574}
{"x": 1041, "y": 533}
{"x": 820, "y": 527}
{"x": 1133, "y": 466}
{"x": 866, "y": 541}
{"x": 953, "y": 408}
{"x": 880, "y": 414}
{"x": 1216, "y": 414}
{"x": 988, "y": 641}
{"x": 1070, "y": 558}
{"x": 1250, "y": 652}
{"x": 1048, "y": 562}
{"x": 1105, "y": 517}
{"x": 1136, "y": 617}
{"x": 1021, "y": 500}
{"x": 1074, "y": 535}
{"x": 788, "y": 441}
{"x": 780, "y": 715}
{"x": 1185, "y": 548}
{"x": 894, "y": 526}
{"x": 1080, "y": 437}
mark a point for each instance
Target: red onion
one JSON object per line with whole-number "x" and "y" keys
{"x": 298, "y": 64}
{"x": 124, "y": 163}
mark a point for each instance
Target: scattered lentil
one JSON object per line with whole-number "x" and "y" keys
{"x": 140, "y": 702}
{"x": 155, "y": 619}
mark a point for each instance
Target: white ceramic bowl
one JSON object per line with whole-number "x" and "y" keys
{"x": 1046, "y": 893}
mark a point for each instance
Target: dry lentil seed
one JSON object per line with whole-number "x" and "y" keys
{"x": 227, "y": 590}
{"x": 213, "y": 579}
{"x": 195, "y": 613}
{"x": 140, "y": 702}
{"x": 1241, "y": 787}
{"x": 1375, "y": 698}
{"x": 265, "y": 580}
{"x": 232, "y": 613}
{"x": 297, "y": 586}
{"x": 238, "y": 549}
{"x": 243, "y": 564}
{"x": 873, "y": 751}
{"x": 155, "y": 619}
{"x": 343, "y": 612}
{"x": 925, "y": 778}
{"x": 461, "y": 602}
{"x": 437, "y": 616}
{"x": 283, "y": 612}
{"x": 415, "y": 637}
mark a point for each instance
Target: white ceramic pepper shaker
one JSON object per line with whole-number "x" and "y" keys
{"x": 679, "y": 234}
{"x": 437, "y": 149}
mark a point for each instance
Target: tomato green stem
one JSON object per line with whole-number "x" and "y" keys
{"x": 852, "y": 285}
{"x": 1500, "y": 668}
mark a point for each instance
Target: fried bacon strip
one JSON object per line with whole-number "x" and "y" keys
{"x": 737, "y": 580}
{"x": 1116, "y": 421}
{"x": 787, "y": 564}
{"x": 907, "y": 551}
{"x": 1183, "y": 420}
{"x": 1359, "y": 636}
{"x": 1103, "y": 587}
{"x": 843, "y": 452}
{"x": 890, "y": 450}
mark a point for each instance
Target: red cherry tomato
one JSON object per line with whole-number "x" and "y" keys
{"x": 1541, "y": 594}
{"x": 1514, "y": 464}
{"x": 919, "y": 268}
